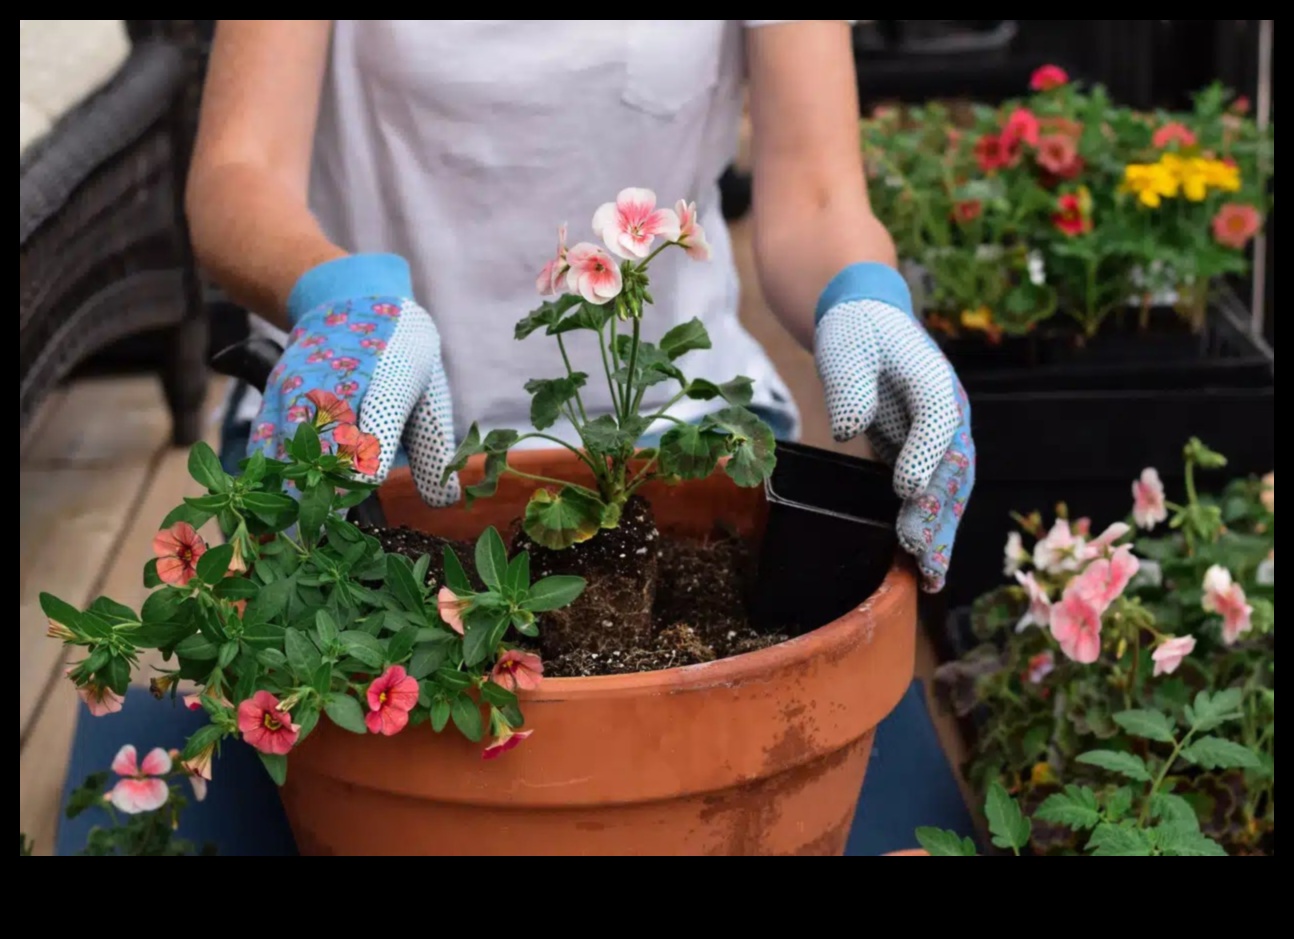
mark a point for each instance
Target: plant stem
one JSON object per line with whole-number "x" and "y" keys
{"x": 1192, "y": 502}
{"x": 633, "y": 363}
{"x": 620, "y": 400}
{"x": 561, "y": 344}
{"x": 543, "y": 479}
{"x": 665, "y": 407}
{"x": 1178, "y": 747}
{"x": 598, "y": 472}
{"x": 606, "y": 368}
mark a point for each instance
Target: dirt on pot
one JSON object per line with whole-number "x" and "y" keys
{"x": 698, "y": 612}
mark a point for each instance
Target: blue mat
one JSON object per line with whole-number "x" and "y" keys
{"x": 908, "y": 782}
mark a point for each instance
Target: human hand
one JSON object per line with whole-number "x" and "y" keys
{"x": 357, "y": 335}
{"x": 885, "y": 377}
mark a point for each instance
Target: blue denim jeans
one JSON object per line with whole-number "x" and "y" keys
{"x": 235, "y": 433}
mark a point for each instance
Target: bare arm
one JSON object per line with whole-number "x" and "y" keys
{"x": 248, "y": 217}
{"x": 811, "y": 211}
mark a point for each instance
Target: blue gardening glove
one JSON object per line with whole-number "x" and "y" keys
{"x": 885, "y": 377}
{"x": 357, "y": 334}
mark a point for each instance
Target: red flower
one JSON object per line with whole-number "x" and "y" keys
{"x": 390, "y": 699}
{"x": 1235, "y": 224}
{"x": 518, "y": 670}
{"x": 1058, "y": 155}
{"x": 1240, "y": 105}
{"x": 994, "y": 152}
{"x": 329, "y": 409}
{"x": 507, "y": 739}
{"x": 1173, "y": 133}
{"x": 1048, "y": 77}
{"x": 1021, "y": 127}
{"x": 967, "y": 210}
{"x": 361, "y": 450}
{"x": 178, "y": 549}
{"x": 1071, "y": 219}
{"x": 264, "y": 726}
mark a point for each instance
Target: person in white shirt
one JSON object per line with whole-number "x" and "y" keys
{"x": 386, "y": 191}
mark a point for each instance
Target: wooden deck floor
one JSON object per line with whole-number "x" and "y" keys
{"x": 97, "y": 475}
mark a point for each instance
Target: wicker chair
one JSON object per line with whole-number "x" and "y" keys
{"x": 103, "y": 247}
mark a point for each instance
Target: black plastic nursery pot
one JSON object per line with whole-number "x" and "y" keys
{"x": 1080, "y": 430}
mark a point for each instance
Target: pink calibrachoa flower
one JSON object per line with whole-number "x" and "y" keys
{"x": 140, "y": 789}
{"x": 593, "y": 274}
{"x": 1148, "y": 506}
{"x": 330, "y": 409}
{"x": 1169, "y": 653}
{"x": 1058, "y": 154}
{"x": 517, "y": 670}
{"x": 1235, "y": 224}
{"x": 1106, "y": 539}
{"x": 264, "y": 726}
{"x": 550, "y": 279}
{"x": 1040, "y": 666}
{"x": 1048, "y": 77}
{"x": 100, "y": 699}
{"x": 198, "y": 770}
{"x": 629, "y": 225}
{"x": 390, "y": 699}
{"x": 1225, "y": 597}
{"x": 178, "y": 549}
{"x": 691, "y": 235}
{"x": 363, "y": 450}
{"x": 1173, "y": 132}
{"x": 1104, "y": 580}
{"x": 505, "y": 740}
{"x": 1020, "y": 127}
{"x": 1076, "y": 625}
{"x": 1039, "y": 611}
{"x": 1059, "y": 551}
{"x": 451, "y": 609}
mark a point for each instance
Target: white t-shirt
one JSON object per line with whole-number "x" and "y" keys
{"x": 462, "y": 145}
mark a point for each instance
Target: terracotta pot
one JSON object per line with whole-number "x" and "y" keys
{"x": 759, "y": 754}
{"x": 910, "y": 852}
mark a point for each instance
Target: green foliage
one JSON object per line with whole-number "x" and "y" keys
{"x": 305, "y": 606}
{"x": 570, "y": 514}
{"x": 145, "y": 834}
{"x": 991, "y": 234}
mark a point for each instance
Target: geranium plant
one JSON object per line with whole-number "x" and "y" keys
{"x": 1092, "y": 627}
{"x": 301, "y": 614}
{"x": 596, "y": 292}
{"x": 1066, "y": 203}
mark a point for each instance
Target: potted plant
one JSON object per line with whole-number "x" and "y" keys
{"x": 1175, "y": 615}
{"x": 1072, "y": 256}
{"x": 664, "y": 722}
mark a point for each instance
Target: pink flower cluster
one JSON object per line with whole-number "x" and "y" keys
{"x": 628, "y": 227}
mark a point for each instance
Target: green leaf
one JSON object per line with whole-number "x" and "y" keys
{"x": 491, "y": 558}
{"x": 399, "y": 577}
{"x": 228, "y": 652}
{"x": 1172, "y": 809}
{"x": 1176, "y": 841}
{"x": 439, "y": 713}
{"x": 304, "y": 445}
{"x": 650, "y": 367}
{"x": 272, "y": 599}
{"x": 208, "y": 735}
{"x": 151, "y": 580}
{"x": 275, "y": 764}
{"x": 739, "y": 391}
{"x": 547, "y": 315}
{"x": 303, "y": 657}
{"x": 210, "y": 504}
{"x": 1147, "y": 724}
{"x": 469, "y": 448}
{"x": 604, "y": 435}
{"x": 517, "y": 579}
{"x": 427, "y": 658}
{"x": 683, "y": 338}
{"x": 1126, "y": 764}
{"x": 549, "y": 395}
{"x": 214, "y": 563}
{"x": 401, "y": 644}
{"x": 1118, "y": 841}
{"x": 1006, "y": 823}
{"x": 688, "y": 452}
{"x": 1217, "y": 753}
{"x": 345, "y": 712}
{"x": 316, "y": 503}
{"x": 452, "y": 679}
{"x": 559, "y": 521}
{"x": 455, "y": 576}
{"x": 327, "y": 629}
{"x": 1118, "y": 803}
{"x": 553, "y": 593}
{"x": 589, "y": 316}
{"x": 495, "y": 465}
{"x": 941, "y": 843}
{"x": 362, "y": 647}
{"x": 87, "y": 795}
{"x": 61, "y": 612}
{"x": 273, "y": 508}
{"x": 1074, "y": 808}
{"x": 198, "y": 648}
{"x": 236, "y": 588}
{"x": 478, "y": 633}
{"x": 185, "y": 513}
{"x": 1214, "y": 710}
{"x": 204, "y": 466}
{"x": 162, "y": 606}
{"x": 467, "y": 717}
{"x": 751, "y": 445}
{"x": 497, "y": 695}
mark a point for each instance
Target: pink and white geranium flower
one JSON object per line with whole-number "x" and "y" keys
{"x": 1039, "y": 611}
{"x": 629, "y": 225}
{"x": 1014, "y": 554}
{"x": 1169, "y": 653}
{"x": 1148, "y": 505}
{"x": 593, "y": 274}
{"x": 1102, "y": 543}
{"x": 1060, "y": 551}
{"x": 1225, "y": 597}
{"x": 550, "y": 280}
{"x": 691, "y": 236}
{"x": 1105, "y": 579}
{"x": 140, "y": 789}
{"x": 1076, "y": 625}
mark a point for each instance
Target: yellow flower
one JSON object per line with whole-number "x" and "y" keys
{"x": 1221, "y": 175}
{"x": 1042, "y": 775}
{"x": 1194, "y": 176}
{"x": 981, "y": 320}
{"x": 1084, "y": 201}
{"x": 1152, "y": 182}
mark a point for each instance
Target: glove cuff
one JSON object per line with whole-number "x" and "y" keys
{"x": 356, "y": 275}
{"x": 868, "y": 280}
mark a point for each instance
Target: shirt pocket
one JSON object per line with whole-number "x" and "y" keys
{"x": 671, "y": 64}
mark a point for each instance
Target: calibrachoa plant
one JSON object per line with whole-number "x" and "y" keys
{"x": 1139, "y": 815}
{"x": 301, "y": 614}
{"x": 1146, "y": 614}
{"x": 1064, "y": 202}
{"x": 599, "y": 289}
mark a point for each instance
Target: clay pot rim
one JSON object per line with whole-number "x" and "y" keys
{"x": 837, "y": 635}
